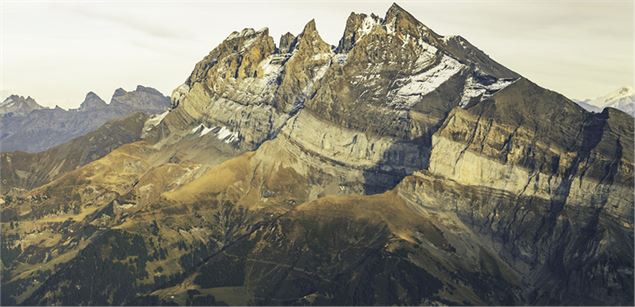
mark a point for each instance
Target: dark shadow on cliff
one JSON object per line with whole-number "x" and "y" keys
{"x": 400, "y": 160}
{"x": 432, "y": 112}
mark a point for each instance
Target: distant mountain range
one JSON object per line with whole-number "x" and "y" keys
{"x": 27, "y": 126}
{"x": 30, "y": 170}
{"x": 19, "y": 105}
{"x": 622, "y": 99}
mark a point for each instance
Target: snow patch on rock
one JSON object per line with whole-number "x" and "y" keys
{"x": 156, "y": 120}
{"x": 206, "y": 130}
{"x": 476, "y": 90}
{"x": 368, "y": 24}
{"x": 419, "y": 85}
{"x": 222, "y": 133}
{"x": 271, "y": 69}
{"x": 226, "y": 135}
{"x": 153, "y": 122}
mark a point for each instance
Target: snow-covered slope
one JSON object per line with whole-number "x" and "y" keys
{"x": 622, "y": 99}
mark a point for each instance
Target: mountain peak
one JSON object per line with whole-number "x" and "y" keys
{"x": 147, "y": 89}
{"x": 91, "y": 95}
{"x": 401, "y": 20}
{"x": 356, "y": 26}
{"x": 622, "y": 93}
{"x": 16, "y": 98}
{"x": 248, "y": 41}
{"x": 19, "y": 105}
{"x": 310, "y": 26}
{"x": 395, "y": 9}
{"x": 626, "y": 90}
{"x": 119, "y": 92}
{"x": 92, "y": 101}
{"x": 622, "y": 99}
{"x": 11, "y": 98}
{"x": 310, "y": 31}
{"x": 243, "y": 33}
{"x": 142, "y": 98}
{"x": 310, "y": 38}
{"x": 287, "y": 42}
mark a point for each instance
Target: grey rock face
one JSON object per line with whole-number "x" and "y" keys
{"x": 18, "y": 105}
{"x": 143, "y": 98}
{"x": 92, "y": 102}
{"x": 41, "y": 129}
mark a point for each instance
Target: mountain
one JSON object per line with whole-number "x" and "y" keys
{"x": 18, "y": 105}
{"x": 400, "y": 167}
{"x": 41, "y": 129}
{"x": 142, "y": 98}
{"x": 24, "y": 170}
{"x": 92, "y": 102}
{"x": 622, "y": 99}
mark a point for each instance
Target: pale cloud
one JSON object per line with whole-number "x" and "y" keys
{"x": 56, "y": 51}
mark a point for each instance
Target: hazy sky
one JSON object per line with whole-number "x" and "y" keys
{"x": 56, "y": 51}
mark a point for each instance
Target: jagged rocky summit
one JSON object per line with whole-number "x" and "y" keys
{"x": 400, "y": 167}
{"x": 18, "y": 105}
